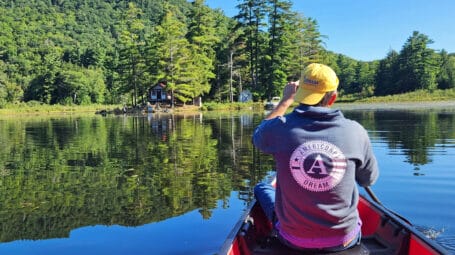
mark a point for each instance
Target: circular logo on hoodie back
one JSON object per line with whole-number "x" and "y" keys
{"x": 317, "y": 165}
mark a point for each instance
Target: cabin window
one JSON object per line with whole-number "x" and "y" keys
{"x": 153, "y": 95}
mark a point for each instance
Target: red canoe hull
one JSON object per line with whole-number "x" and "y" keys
{"x": 383, "y": 232}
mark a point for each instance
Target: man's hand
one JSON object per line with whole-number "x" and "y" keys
{"x": 289, "y": 91}
{"x": 288, "y": 98}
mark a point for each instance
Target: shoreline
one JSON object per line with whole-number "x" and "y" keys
{"x": 33, "y": 112}
{"x": 397, "y": 105}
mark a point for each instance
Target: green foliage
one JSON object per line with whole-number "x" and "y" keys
{"x": 131, "y": 50}
{"x": 9, "y": 92}
{"x": 446, "y": 76}
{"x": 415, "y": 67}
{"x": 386, "y": 75}
{"x": 48, "y": 47}
{"x": 235, "y": 106}
{"x": 203, "y": 38}
{"x": 417, "y": 64}
{"x": 174, "y": 55}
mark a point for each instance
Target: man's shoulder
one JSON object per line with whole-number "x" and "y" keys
{"x": 275, "y": 121}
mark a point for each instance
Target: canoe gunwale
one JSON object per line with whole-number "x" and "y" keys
{"x": 229, "y": 242}
{"x": 406, "y": 226}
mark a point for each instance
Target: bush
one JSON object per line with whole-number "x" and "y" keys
{"x": 34, "y": 103}
{"x": 237, "y": 106}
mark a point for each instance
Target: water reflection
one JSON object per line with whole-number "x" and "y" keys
{"x": 60, "y": 174}
{"x": 416, "y": 134}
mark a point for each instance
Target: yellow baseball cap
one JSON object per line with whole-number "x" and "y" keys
{"x": 316, "y": 80}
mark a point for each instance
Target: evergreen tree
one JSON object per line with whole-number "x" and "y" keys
{"x": 282, "y": 27}
{"x": 417, "y": 64}
{"x": 446, "y": 76}
{"x": 364, "y": 80}
{"x": 202, "y": 37}
{"x": 312, "y": 47}
{"x": 305, "y": 45}
{"x": 132, "y": 50}
{"x": 386, "y": 75}
{"x": 174, "y": 56}
{"x": 251, "y": 19}
{"x": 229, "y": 53}
{"x": 347, "y": 75}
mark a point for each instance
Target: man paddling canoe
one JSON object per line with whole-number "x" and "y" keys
{"x": 320, "y": 155}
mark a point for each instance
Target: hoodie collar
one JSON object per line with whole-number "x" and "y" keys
{"x": 317, "y": 111}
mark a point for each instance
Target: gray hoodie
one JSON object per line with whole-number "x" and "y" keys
{"x": 320, "y": 155}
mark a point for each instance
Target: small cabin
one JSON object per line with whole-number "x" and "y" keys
{"x": 159, "y": 94}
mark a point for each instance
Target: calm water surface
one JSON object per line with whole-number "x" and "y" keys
{"x": 176, "y": 184}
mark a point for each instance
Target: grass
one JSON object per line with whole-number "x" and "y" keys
{"x": 38, "y": 108}
{"x": 415, "y": 96}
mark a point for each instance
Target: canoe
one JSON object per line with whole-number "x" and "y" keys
{"x": 383, "y": 232}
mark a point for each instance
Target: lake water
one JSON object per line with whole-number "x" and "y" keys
{"x": 176, "y": 184}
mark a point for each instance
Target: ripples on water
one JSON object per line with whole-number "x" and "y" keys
{"x": 447, "y": 242}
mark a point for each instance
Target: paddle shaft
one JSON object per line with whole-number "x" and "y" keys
{"x": 372, "y": 195}
{"x": 376, "y": 199}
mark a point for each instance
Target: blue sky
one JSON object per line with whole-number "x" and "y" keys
{"x": 368, "y": 29}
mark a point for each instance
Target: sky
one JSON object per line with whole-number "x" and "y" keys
{"x": 368, "y": 29}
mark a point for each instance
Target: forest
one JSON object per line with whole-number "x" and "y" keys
{"x": 114, "y": 51}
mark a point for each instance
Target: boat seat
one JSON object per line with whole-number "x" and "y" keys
{"x": 370, "y": 245}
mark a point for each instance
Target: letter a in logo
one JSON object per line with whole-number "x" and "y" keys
{"x": 318, "y": 164}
